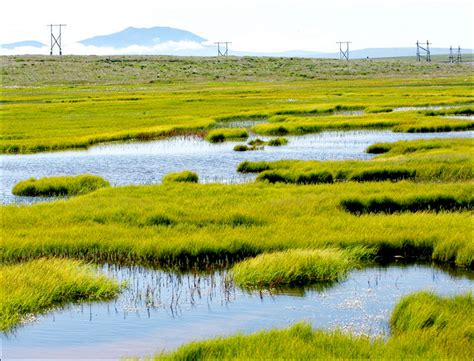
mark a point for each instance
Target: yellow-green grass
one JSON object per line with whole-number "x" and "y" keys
{"x": 37, "y": 286}
{"x": 419, "y": 160}
{"x": 48, "y": 118}
{"x": 59, "y": 186}
{"x": 292, "y": 267}
{"x": 424, "y": 327}
{"x": 225, "y": 134}
{"x": 180, "y": 177}
{"x": 215, "y": 222}
{"x": 406, "y": 121}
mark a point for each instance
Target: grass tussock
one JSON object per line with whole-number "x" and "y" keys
{"x": 433, "y": 203}
{"x": 59, "y": 186}
{"x": 424, "y": 327}
{"x": 37, "y": 286}
{"x": 185, "y": 176}
{"x": 224, "y": 134}
{"x": 293, "y": 267}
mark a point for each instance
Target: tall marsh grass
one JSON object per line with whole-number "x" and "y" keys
{"x": 36, "y": 286}
{"x": 292, "y": 267}
{"x": 59, "y": 186}
{"x": 185, "y": 176}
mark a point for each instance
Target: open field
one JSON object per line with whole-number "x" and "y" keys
{"x": 81, "y": 70}
{"x": 57, "y": 114}
{"x": 441, "y": 326}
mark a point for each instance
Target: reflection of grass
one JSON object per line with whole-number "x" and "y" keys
{"x": 424, "y": 326}
{"x": 114, "y": 224}
{"x": 59, "y": 186}
{"x": 39, "y": 285}
{"x": 294, "y": 267}
{"x": 419, "y": 160}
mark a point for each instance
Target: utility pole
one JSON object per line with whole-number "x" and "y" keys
{"x": 451, "y": 54}
{"x": 343, "y": 54}
{"x": 426, "y": 50}
{"x": 224, "y": 51}
{"x": 458, "y": 55}
{"x": 56, "y": 32}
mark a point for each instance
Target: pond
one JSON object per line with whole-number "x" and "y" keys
{"x": 160, "y": 311}
{"x": 147, "y": 163}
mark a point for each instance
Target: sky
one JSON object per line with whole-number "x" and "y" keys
{"x": 252, "y": 25}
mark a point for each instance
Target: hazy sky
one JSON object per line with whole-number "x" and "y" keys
{"x": 253, "y": 25}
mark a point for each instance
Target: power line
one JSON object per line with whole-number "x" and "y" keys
{"x": 56, "y": 39}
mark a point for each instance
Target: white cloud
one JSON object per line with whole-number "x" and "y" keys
{"x": 169, "y": 48}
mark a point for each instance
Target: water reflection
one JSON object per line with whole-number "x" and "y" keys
{"x": 147, "y": 163}
{"x": 162, "y": 310}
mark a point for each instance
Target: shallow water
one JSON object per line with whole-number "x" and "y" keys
{"x": 160, "y": 311}
{"x": 147, "y": 163}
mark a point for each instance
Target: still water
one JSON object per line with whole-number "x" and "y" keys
{"x": 147, "y": 163}
{"x": 160, "y": 311}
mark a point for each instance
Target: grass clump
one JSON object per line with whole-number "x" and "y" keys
{"x": 427, "y": 311}
{"x": 277, "y": 142}
{"x": 224, "y": 134}
{"x": 36, "y": 286}
{"x": 185, "y": 176}
{"x": 292, "y": 267}
{"x": 59, "y": 186}
{"x": 253, "y": 167}
{"x": 242, "y": 148}
{"x": 424, "y": 327}
{"x": 433, "y": 203}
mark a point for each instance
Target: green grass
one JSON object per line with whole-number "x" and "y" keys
{"x": 59, "y": 186}
{"x": 420, "y": 160}
{"x": 293, "y": 267}
{"x": 206, "y": 222}
{"x": 180, "y": 177}
{"x": 424, "y": 327}
{"x": 37, "y": 286}
{"x": 69, "y": 115}
{"x": 225, "y": 134}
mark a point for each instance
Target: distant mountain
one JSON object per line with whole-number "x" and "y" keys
{"x": 143, "y": 37}
{"x": 19, "y": 44}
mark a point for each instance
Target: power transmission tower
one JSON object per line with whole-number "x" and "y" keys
{"x": 458, "y": 55}
{"x": 343, "y": 54}
{"x": 451, "y": 55}
{"x": 56, "y": 39}
{"x": 224, "y": 51}
{"x": 426, "y": 50}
